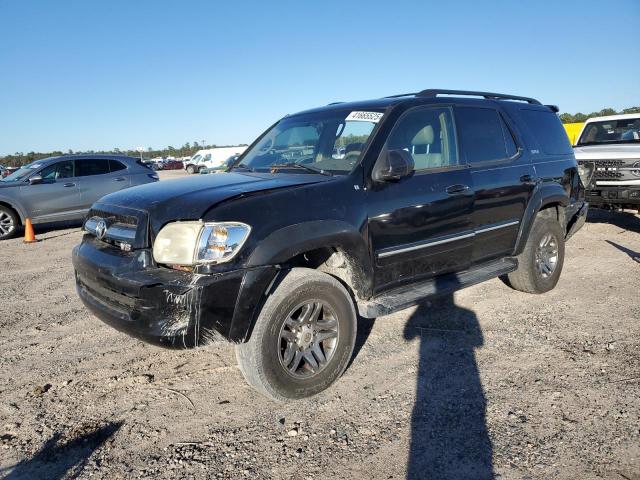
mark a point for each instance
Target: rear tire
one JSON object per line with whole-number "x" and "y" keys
{"x": 285, "y": 332}
{"x": 9, "y": 223}
{"x": 541, "y": 261}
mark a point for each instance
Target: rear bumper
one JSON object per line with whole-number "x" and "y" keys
{"x": 162, "y": 306}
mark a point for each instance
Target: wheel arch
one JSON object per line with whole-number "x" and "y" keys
{"x": 14, "y": 207}
{"x": 546, "y": 198}
{"x": 332, "y": 247}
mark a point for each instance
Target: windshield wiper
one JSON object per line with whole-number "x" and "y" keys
{"x": 242, "y": 165}
{"x": 299, "y": 165}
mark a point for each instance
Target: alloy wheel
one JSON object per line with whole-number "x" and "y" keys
{"x": 7, "y": 225}
{"x": 308, "y": 339}
{"x": 547, "y": 255}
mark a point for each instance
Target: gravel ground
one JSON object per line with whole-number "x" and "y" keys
{"x": 490, "y": 383}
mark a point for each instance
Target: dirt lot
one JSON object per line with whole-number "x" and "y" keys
{"x": 492, "y": 383}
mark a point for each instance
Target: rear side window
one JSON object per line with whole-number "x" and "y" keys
{"x": 115, "y": 165}
{"x": 547, "y": 131}
{"x": 93, "y": 166}
{"x": 483, "y": 135}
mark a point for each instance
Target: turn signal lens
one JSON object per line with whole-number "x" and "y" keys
{"x": 220, "y": 242}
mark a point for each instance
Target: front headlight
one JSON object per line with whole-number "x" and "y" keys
{"x": 585, "y": 172}
{"x": 190, "y": 243}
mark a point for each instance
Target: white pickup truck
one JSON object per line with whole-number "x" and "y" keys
{"x": 211, "y": 158}
{"x": 611, "y": 147}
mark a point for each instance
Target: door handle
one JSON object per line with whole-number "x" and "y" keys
{"x": 526, "y": 179}
{"x": 120, "y": 179}
{"x": 458, "y": 188}
{"x": 70, "y": 184}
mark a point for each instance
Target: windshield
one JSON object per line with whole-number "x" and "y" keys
{"x": 622, "y": 130}
{"x": 326, "y": 142}
{"x": 22, "y": 172}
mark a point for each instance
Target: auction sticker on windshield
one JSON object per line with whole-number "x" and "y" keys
{"x": 364, "y": 117}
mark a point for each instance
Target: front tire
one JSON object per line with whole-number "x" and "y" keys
{"x": 303, "y": 338}
{"x": 9, "y": 222}
{"x": 191, "y": 170}
{"x": 541, "y": 261}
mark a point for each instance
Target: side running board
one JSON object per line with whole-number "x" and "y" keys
{"x": 410, "y": 295}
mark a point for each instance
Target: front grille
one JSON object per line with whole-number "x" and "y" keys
{"x": 603, "y": 163}
{"x": 601, "y": 174}
{"x": 112, "y": 217}
{"x": 609, "y": 169}
{"x": 123, "y": 227}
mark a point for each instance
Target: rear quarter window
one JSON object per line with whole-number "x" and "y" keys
{"x": 115, "y": 165}
{"x": 548, "y": 132}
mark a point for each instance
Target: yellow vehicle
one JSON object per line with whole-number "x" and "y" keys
{"x": 573, "y": 130}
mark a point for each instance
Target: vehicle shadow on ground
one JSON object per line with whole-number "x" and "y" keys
{"x": 626, "y": 220}
{"x": 57, "y": 460}
{"x": 632, "y": 253}
{"x": 449, "y": 436}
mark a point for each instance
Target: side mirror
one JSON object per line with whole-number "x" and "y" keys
{"x": 35, "y": 179}
{"x": 392, "y": 165}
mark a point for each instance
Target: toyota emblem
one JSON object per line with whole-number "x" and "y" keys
{"x": 101, "y": 229}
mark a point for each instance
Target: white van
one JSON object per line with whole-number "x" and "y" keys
{"x": 211, "y": 158}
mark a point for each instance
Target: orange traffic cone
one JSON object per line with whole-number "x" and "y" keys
{"x": 29, "y": 236}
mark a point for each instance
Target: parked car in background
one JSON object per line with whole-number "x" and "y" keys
{"x": 435, "y": 191}
{"x": 223, "y": 167}
{"x": 609, "y": 147}
{"x": 157, "y": 163}
{"x": 211, "y": 158}
{"x": 6, "y": 171}
{"x": 63, "y": 188}
{"x": 172, "y": 164}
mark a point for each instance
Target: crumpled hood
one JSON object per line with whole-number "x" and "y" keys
{"x": 189, "y": 198}
{"x": 607, "y": 152}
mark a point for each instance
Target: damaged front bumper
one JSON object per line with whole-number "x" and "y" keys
{"x": 167, "y": 307}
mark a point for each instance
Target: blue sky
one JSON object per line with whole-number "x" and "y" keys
{"x": 101, "y": 74}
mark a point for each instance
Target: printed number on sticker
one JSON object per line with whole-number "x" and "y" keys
{"x": 364, "y": 117}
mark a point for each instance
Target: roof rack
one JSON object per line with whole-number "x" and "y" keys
{"x": 432, "y": 93}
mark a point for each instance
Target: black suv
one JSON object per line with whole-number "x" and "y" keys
{"x": 360, "y": 208}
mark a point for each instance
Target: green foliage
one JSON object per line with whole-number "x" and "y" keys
{"x": 347, "y": 139}
{"x": 583, "y": 117}
{"x": 187, "y": 150}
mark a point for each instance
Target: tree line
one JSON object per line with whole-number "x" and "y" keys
{"x": 187, "y": 150}
{"x": 583, "y": 117}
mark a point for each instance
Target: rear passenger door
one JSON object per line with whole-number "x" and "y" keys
{"x": 502, "y": 178}
{"x": 96, "y": 178}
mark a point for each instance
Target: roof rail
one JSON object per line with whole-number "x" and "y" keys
{"x": 401, "y": 95}
{"x": 488, "y": 95}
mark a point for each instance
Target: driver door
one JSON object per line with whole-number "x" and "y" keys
{"x": 57, "y": 197}
{"x": 420, "y": 226}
